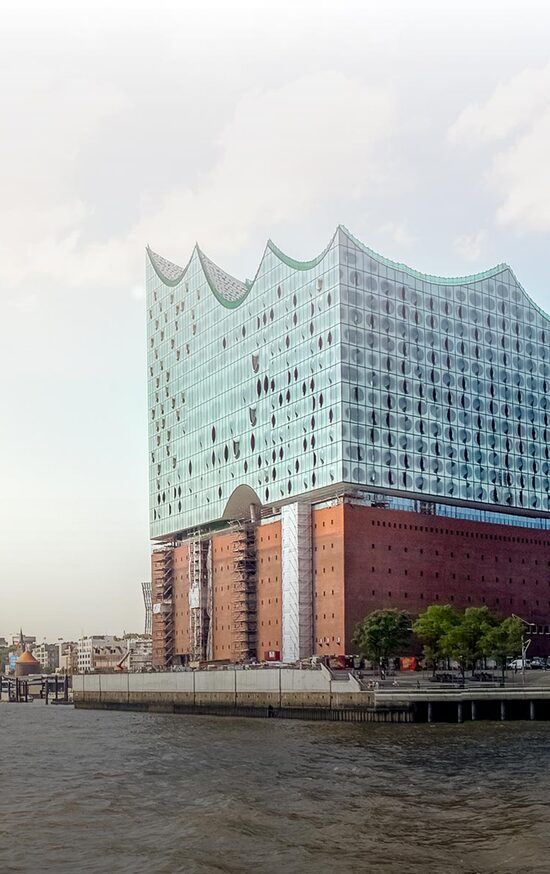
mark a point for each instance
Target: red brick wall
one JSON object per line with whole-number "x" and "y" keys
{"x": 222, "y": 595}
{"x": 180, "y": 567}
{"x": 409, "y": 560}
{"x": 268, "y": 588}
{"x": 387, "y": 559}
{"x": 327, "y": 544}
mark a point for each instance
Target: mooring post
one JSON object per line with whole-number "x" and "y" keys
{"x": 502, "y": 711}
{"x": 56, "y": 686}
{"x": 66, "y": 691}
{"x": 430, "y": 712}
{"x": 532, "y": 714}
{"x": 459, "y": 713}
{"x": 474, "y": 714}
{"x": 26, "y": 691}
{"x": 47, "y": 688}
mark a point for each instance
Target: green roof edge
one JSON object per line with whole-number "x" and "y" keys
{"x": 295, "y": 264}
{"x": 427, "y": 277}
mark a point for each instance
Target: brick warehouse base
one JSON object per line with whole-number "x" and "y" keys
{"x": 365, "y": 558}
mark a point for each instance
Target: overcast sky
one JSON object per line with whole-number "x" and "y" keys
{"x": 422, "y": 126}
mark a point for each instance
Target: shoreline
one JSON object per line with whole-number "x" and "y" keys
{"x": 314, "y": 694}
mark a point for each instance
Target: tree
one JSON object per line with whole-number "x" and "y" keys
{"x": 504, "y": 641}
{"x": 383, "y": 634}
{"x": 431, "y": 628}
{"x": 465, "y": 642}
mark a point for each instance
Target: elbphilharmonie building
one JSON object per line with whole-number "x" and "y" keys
{"x": 319, "y": 434}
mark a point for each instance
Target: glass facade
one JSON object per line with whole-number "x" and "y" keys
{"x": 345, "y": 370}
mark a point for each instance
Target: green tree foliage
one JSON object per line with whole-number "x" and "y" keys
{"x": 432, "y": 628}
{"x": 466, "y": 641}
{"x": 383, "y": 634}
{"x": 504, "y": 640}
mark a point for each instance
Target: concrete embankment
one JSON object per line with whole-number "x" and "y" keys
{"x": 470, "y": 703}
{"x": 275, "y": 692}
{"x": 291, "y": 693}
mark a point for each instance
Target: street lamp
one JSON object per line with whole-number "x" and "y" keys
{"x": 525, "y": 644}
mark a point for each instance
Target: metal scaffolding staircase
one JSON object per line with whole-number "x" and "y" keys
{"x": 163, "y": 611}
{"x": 200, "y": 597}
{"x": 147, "y": 591}
{"x": 244, "y": 615}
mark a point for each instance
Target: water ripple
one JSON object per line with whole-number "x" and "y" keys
{"x": 94, "y": 792}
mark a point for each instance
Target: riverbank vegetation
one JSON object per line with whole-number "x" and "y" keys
{"x": 444, "y": 634}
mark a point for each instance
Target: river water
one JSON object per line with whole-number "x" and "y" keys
{"x": 108, "y": 792}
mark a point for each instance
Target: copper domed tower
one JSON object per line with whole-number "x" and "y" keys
{"x": 26, "y": 664}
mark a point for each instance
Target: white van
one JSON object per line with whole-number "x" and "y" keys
{"x": 517, "y": 664}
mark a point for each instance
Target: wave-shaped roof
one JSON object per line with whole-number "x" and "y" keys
{"x": 222, "y": 284}
{"x": 231, "y": 292}
{"x": 169, "y": 272}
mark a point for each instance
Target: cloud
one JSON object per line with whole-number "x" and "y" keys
{"x": 514, "y": 124}
{"x": 396, "y": 232}
{"x": 43, "y": 214}
{"x": 521, "y": 174}
{"x": 512, "y": 105}
{"x": 470, "y": 246}
{"x": 138, "y": 292}
{"x": 285, "y": 151}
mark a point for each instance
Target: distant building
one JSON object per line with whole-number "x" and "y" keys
{"x": 21, "y": 641}
{"x": 67, "y": 657}
{"x": 96, "y": 651}
{"x": 140, "y": 654}
{"x": 48, "y": 655}
{"x": 107, "y": 657}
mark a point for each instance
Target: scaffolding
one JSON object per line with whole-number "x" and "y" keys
{"x": 148, "y": 603}
{"x": 200, "y": 597}
{"x": 244, "y": 616}
{"x": 162, "y": 607}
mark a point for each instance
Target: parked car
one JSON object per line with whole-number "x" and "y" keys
{"x": 517, "y": 664}
{"x": 538, "y": 663}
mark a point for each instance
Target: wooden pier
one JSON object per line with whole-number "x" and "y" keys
{"x": 52, "y": 688}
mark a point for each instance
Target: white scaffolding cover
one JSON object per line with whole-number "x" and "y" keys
{"x": 297, "y": 598}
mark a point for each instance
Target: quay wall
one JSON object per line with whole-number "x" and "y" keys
{"x": 281, "y": 692}
{"x": 303, "y": 694}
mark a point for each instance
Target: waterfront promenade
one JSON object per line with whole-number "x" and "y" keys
{"x": 317, "y": 693}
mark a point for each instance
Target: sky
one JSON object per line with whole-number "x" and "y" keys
{"x": 424, "y": 127}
